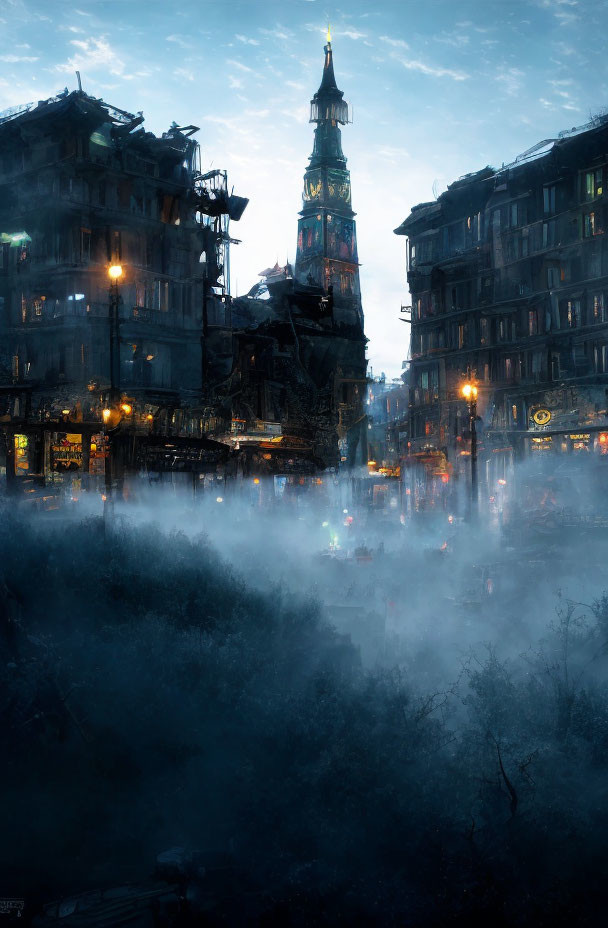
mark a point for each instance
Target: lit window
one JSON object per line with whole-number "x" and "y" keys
{"x": 599, "y": 307}
{"x": 588, "y": 225}
{"x": 593, "y": 186}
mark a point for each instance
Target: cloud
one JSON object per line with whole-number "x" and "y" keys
{"x": 392, "y": 154}
{"x": 246, "y": 41}
{"x": 279, "y": 32}
{"x": 352, "y": 33}
{"x": 510, "y": 79}
{"x": 239, "y": 65}
{"x": 92, "y": 55}
{"x": 235, "y": 83}
{"x": 184, "y": 74}
{"x": 563, "y": 10}
{"x": 179, "y": 40}
{"x": 455, "y": 39}
{"x": 431, "y": 70}
{"x": 14, "y": 59}
{"x": 396, "y": 43}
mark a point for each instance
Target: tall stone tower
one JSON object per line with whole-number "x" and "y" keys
{"x": 327, "y": 257}
{"x": 327, "y": 238}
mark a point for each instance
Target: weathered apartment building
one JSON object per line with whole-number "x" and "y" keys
{"x": 88, "y": 360}
{"x": 508, "y": 272}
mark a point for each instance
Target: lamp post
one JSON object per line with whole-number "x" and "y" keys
{"x": 469, "y": 392}
{"x": 115, "y": 273}
{"x": 109, "y": 414}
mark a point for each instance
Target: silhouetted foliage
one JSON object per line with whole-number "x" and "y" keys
{"x": 151, "y": 699}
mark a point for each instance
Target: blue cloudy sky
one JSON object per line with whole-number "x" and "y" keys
{"x": 439, "y": 88}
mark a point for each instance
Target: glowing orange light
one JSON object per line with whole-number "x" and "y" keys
{"x": 105, "y": 415}
{"x": 469, "y": 391}
{"x": 149, "y": 417}
{"x": 126, "y": 408}
{"x": 256, "y": 479}
{"x": 603, "y": 438}
{"x": 115, "y": 271}
{"x": 371, "y": 463}
{"x": 445, "y": 478}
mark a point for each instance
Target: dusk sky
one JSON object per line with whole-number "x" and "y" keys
{"x": 439, "y": 88}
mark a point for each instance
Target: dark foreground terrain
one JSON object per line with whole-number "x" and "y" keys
{"x": 150, "y": 699}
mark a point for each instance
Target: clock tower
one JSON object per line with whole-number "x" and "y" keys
{"x": 327, "y": 241}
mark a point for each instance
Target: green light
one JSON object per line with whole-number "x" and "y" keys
{"x": 14, "y": 238}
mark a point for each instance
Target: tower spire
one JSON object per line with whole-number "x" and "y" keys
{"x": 327, "y": 241}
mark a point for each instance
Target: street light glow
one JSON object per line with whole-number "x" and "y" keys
{"x": 126, "y": 408}
{"x": 469, "y": 391}
{"x": 115, "y": 271}
{"x": 105, "y": 415}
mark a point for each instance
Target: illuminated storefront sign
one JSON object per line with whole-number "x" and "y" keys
{"x": 542, "y": 443}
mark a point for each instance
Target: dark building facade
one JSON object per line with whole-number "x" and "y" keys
{"x": 83, "y": 187}
{"x": 508, "y": 272}
{"x": 158, "y": 368}
{"x": 290, "y": 390}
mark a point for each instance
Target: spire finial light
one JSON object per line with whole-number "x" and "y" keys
{"x": 328, "y": 32}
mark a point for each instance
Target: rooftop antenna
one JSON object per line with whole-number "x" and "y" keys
{"x": 79, "y": 81}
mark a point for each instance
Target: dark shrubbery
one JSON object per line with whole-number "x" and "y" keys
{"x": 150, "y": 699}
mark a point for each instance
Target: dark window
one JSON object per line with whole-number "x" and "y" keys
{"x": 549, "y": 200}
{"x": 85, "y": 245}
{"x": 549, "y": 234}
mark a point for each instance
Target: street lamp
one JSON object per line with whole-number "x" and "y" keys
{"x": 109, "y": 415}
{"x": 469, "y": 392}
{"x": 115, "y": 273}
